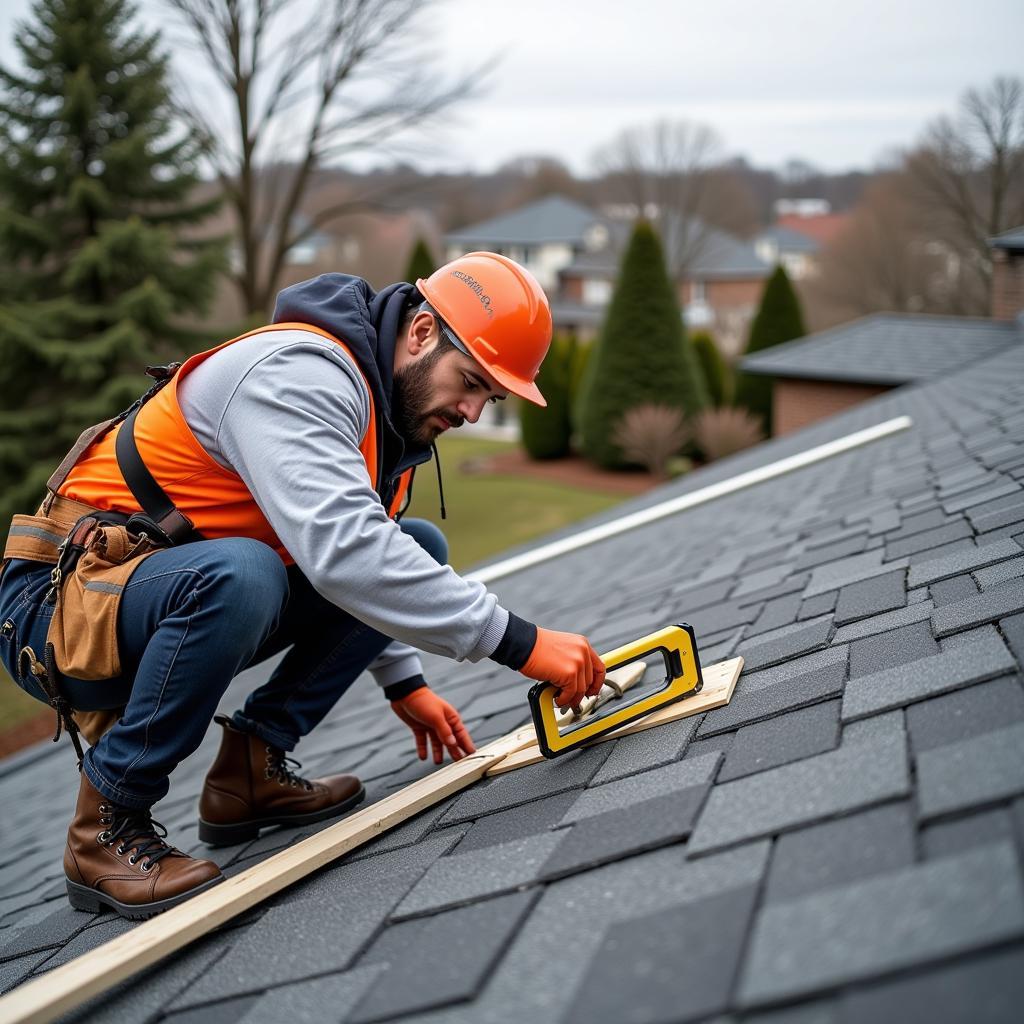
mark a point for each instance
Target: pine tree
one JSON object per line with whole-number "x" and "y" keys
{"x": 642, "y": 356}
{"x": 421, "y": 263}
{"x": 717, "y": 373}
{"x": 778, "y": 319}
{"x": 96, "y": 197}
{"x": 546, "y": 432}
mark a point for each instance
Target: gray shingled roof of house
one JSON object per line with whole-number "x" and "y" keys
{"x": 552, "y": 219}
{"x": 788, "y": 240}
{"x": 887, "y": 348}
{"x": 716, "y": 255}
{"x": 1009, "y": 239}
{"x": 841, "y": 843}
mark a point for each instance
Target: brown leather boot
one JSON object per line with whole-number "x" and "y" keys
{"x": 116, "y": 857}
{"x": 251, "y": 786}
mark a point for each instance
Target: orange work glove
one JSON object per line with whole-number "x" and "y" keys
{"x": 569, "y": 662}
{"x": 430, "y": 716}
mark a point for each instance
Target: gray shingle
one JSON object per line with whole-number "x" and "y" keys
{"x": 316, "y": 1000}
{"x": 462, "y": 877}
{"x": 1003, "y": 572}
{"x": 975, "y": 771}
{"x": 820, "y": 605}
{"x": 889, "y": 723}
{"x": 570, "y": 771}
{"x": 229, "y": 1011}
{"x": 964, "y": 561}
{"x": 871, "y": 597}
{"x": 929, "y": 539}
{"x": 829, "y": 784}
{"x": 832, "y": 552}
{"x": 787, "y": 643}
{"x": 836, "y": 575}
{"x": 1012, "y": 628}
{"x": 944, "y": 838}
{"x": 988, "y": 606}
{"x": 780, "y": 612}
{"x": 642, "y": 751}
{"x": 518, "y": 822}
{"x": 979, "y": 496}
{"x": 630, "y": 829}
{"x": 644, "y": 786}
{"x": 755, "y": 699}
{"x": 917, "y": 680}
{"x": 889, "y": 649}
{"x": 838, "y": 852}
{"x": 441, "y": 960}
{"x": 958, "y": 716}
{"x": 956, "y": 588}
{"x": 909, "y": 917}
{"x": 994, "y": 520}
{"x": 638, "y": 974}
{"x": 982, "y": 991}
{"x": 782, "y": 739}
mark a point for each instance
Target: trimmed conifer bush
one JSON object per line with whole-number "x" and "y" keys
{"x": 96, "y": 272}
{"x": 421, "y": 263}
{"x": 717, "y": 372}
{"x": 778, "y": 319}
{"x": 642, "y": 356}
{"x": 546, "y": 432}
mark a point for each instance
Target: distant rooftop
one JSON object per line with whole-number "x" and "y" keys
{"x": 789, "y": 239}
{"x": 1009, "y": 240}
{"x": 552, "y": 219}
{"x": 887, "y": 348}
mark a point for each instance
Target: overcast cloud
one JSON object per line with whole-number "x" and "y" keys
{"x": 837, "y": 84}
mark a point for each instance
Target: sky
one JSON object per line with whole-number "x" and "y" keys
{"x": 839, "y": 85}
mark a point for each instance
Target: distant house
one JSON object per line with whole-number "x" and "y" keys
{"x": 794, "y": 250}
{"x": 1007, "y": 252}
{"x": 575, "y": 253}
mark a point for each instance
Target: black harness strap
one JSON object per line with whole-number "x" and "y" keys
{"x": 170, "y": 524}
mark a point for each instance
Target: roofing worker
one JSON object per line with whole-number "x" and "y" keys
{"x": 259, "y": 494}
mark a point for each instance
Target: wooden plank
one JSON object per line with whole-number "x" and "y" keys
{"x": 719, "y": 684}
{"x": 69, "y": 986}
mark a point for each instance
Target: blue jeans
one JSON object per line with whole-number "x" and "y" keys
{"x": 191, "y": 618}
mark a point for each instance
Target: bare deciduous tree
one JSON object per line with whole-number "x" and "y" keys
{"x": 968, "y": 177}
{"x": 305, "y": 84}
{"x": 672, "y": 173}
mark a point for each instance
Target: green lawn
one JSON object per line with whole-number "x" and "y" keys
{"x": 489, "y": 513}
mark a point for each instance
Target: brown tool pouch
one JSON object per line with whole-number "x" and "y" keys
{"x": 93, "y": 553}
{"x": 92, "y": 559}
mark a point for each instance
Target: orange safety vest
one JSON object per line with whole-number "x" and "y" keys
{"x": 215, "y": 499}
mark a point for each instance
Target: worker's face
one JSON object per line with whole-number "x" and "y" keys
{"x": 440, "y": 388}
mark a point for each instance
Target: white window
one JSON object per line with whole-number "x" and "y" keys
{"x": 596, "y": 292}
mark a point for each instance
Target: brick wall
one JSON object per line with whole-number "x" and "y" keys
{"x": 1007, "y": 284}
{"x": 800, "y": 402}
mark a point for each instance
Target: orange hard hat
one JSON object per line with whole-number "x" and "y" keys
{"x": 499, "y": 312}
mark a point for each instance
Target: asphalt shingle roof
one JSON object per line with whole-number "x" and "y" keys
{"x": 552, "y": 219}
{"x": 887, "y": 348}
{"x": 841, "y": 843}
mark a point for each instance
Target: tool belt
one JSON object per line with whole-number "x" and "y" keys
{"x": 93, "y": 553}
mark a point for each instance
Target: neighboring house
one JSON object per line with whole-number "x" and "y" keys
{"x": 575, "y": 253}
{"x": 1007, "y": 274}
{"x": 823, "y": 373}
{"x": 797, "y": 252}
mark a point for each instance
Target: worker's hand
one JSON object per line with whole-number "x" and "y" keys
{"x": 430, "y": 716}
{"x": 569, "y": 662}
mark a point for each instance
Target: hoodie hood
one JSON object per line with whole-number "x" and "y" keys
{"x": 368, "y": 322}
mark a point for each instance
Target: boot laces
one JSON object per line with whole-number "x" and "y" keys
{"x": 279, "y": 766}
{"x": 136, "y": 828}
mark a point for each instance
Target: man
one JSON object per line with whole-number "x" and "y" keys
{"x": 289, "y": 451}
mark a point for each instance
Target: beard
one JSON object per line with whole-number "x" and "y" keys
{"x": 410, "y": 402}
